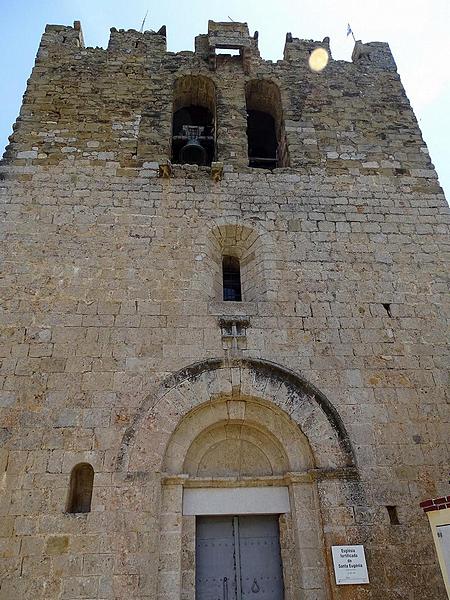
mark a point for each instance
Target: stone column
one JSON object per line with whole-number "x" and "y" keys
{"x": 307, "y": 528}
{"x": 169, "y": 578}
{"x": 232, "y": 123}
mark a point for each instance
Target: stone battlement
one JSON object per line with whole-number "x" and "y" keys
{"x": 116, "y": 105}
{"x": 221, "y": 36}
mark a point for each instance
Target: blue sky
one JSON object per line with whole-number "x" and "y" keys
{"x": 417, "y": 31}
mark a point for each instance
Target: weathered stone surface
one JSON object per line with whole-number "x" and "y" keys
{"x": 112, "y": 288}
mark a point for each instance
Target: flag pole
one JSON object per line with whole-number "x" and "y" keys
{"x": 141, "y": 30}
{"x": 350, "y": 31}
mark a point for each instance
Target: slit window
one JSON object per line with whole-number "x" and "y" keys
{"x": 267, "y": 147}
{"x": 193, "y": 124}
{"x": 231, "y": 279}
{"x": 80, "y": 489}
{"x": 393, "y": 515}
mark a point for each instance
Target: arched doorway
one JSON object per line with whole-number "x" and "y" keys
{"x": 234, "y": 440}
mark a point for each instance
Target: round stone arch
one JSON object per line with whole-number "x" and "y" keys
{"x": 256, "y": 251}
{"x": 145, "y": 442}
{"x": 237, "y": 438}
{"x": 294, "y": 440}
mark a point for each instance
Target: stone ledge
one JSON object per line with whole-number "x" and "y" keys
{"x": 224, "y": 308}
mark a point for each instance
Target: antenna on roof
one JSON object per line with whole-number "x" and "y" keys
{"x": 143, "y": 23}
{"x": 231, "y": 20}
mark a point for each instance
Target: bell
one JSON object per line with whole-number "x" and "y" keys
{"x": 193, "y": 153}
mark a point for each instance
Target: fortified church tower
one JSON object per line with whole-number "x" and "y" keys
{"x": 223, "y": 341}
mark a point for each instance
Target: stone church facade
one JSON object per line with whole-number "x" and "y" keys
{"x": 223, "y": 336}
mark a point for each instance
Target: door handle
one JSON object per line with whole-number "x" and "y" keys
{"x": 225, "y": 588}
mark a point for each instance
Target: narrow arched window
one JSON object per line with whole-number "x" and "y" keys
{"x": 193, "y": 124}
{"x": 80, "y": 489}
{"x": 231, "y": 270}
{"x": 267, "y": 147}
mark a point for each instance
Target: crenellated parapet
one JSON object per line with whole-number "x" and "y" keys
{"x": 117, "y": 105}
{"x": 296, "y": 50}
{"x": 374, "y": 54}
{"x": 231, "y": 36}
{"x": 209, "y": 47}
{"x": 136, "y": 42}
{"x": 61, "y": 37}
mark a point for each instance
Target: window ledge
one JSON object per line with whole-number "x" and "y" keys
{"x": 76, "y": 515}
{"x": 228, "y": 308}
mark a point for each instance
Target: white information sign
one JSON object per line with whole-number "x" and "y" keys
{"x": 443, "y": 535}
{"x": 350, "y": 565}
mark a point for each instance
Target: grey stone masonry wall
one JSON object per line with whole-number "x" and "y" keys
{"x": 109, "y": 286}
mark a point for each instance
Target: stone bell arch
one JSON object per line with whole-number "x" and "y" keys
{"x": 257, "y": 429}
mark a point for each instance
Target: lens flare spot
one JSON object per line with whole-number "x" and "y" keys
{"x": 318, "y": 60}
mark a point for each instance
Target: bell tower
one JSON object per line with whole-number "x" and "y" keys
{"x": 223, "y": 346}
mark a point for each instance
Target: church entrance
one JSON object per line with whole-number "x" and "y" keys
{"x": 238, "y": 558}
{"x": 241, "y": 440}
